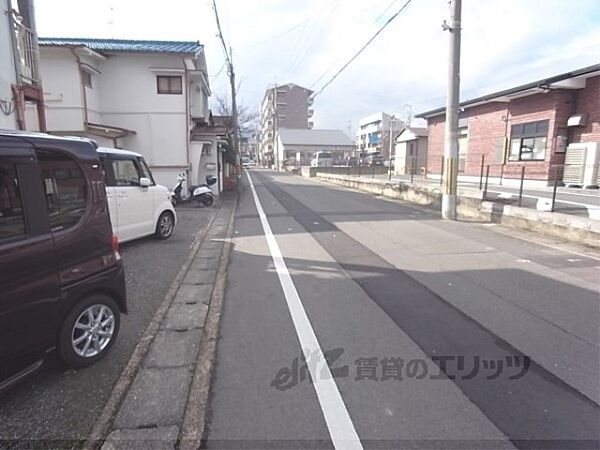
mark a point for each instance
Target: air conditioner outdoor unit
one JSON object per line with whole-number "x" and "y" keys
{"x": 581, "y": 165}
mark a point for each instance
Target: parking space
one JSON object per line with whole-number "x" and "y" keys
{"x": 57, "y": 407}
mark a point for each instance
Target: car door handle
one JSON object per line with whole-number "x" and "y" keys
{"x": 122, "y": 194}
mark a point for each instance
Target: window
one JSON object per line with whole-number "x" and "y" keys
{"x": 146, "y": 171}
{"x": 126, "y": 172}
{"x": 86, "y": 79}
{"x": 168, "y": 84}
{"x": 528, "y": 141}
{"x": 65, "y": 188}
{"x": 12, "y": 223}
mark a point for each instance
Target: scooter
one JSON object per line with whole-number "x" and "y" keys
{"x": 202, "y": 194}
{"x": 176, "y": 192}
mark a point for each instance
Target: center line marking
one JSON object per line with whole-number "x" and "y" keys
{"x": 340, "y": 426}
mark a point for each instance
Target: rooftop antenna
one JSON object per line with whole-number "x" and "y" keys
{"x": 111, "y": 21}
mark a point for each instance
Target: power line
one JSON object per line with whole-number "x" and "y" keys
{"x": 219, "y": 71}
{"x": 303, "y": 40}
{"x": 324, "y": 74}
{"x": 283, "y": 33}
{"x": 221, "y": 34}
{"x": 392, "y": 3}
{"x": 228, "y": 58}
{"x": 319, "y": 37}
{"x": 390, "y": 20}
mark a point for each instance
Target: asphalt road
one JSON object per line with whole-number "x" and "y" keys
{"x": 56, "y": 408}
{"x": 438, "y": 334}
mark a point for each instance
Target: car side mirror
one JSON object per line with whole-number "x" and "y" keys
{"x": 145, "y": 182}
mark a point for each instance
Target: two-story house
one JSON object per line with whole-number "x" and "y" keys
{"x": 20, "y": 80}
{"x": 145, "y": 96}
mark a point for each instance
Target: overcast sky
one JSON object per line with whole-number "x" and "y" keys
{"x": 505, "y": 42}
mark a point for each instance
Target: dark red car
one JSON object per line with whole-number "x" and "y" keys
{"x": 62, "y": 284}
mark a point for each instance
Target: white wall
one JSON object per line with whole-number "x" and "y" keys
{"x": 62, "y": 90}
{"x": 124, "y": 94}
{"x": 200, "y": 160}
{"x": 7, "y": 71}
{"x": 130, "y": 100}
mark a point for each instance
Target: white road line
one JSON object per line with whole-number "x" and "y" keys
{"x": 340, "y": 426}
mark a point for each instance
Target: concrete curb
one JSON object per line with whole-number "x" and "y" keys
{"x": 104, "y": 422}
{"x": 470, "y": 205}
{"x": 196, "y": 416}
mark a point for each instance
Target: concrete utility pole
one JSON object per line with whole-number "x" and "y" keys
{"x": 450, "y": 174}
{"x": 229, "y": 61}
{"x": 275, "y": 130}
{"x": 392, "y": 119}
{"x": 234, "y": 113}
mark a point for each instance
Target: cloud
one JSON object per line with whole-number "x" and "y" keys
{"x": 505, "y": 42}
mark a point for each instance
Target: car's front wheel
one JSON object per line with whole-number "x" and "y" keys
{"x": 89, "y": 331}
{"x": 165, "y": 226}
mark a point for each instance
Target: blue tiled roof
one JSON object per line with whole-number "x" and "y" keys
{"x": 128, "y": 46}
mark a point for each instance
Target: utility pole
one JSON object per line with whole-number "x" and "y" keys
{"x": 392, "y": 119}
{"x": 229, "y": 61}
{"x": 234, "y": 114}
{"x": 275, "y": 130}
{"x": 450, "y": 169}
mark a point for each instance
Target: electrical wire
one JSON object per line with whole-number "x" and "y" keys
{"x": 278, "y": 35}
{"x": 320, "y": 37}
{"x": 324, "y": 74}
{"x": 362, "y": 49}
{"x": 392, "y": 3}
{"x": 220, "y": 70}
{"x": 221, "y": 34}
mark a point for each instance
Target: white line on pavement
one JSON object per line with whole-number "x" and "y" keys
{"x": 340, "y": 426}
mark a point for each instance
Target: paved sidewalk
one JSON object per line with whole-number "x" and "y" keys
{"x": 152, "y": 408}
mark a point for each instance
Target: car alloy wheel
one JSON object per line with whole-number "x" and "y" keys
{"x": 93, "y": 331}
{"x": 165, "y": 225}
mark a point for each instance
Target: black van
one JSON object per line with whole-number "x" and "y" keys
{"x": 62, "y": 284}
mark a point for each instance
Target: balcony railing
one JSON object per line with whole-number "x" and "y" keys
{"x": 26, "y": 57}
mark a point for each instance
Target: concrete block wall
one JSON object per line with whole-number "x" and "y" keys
{"x": 470, "y": 205}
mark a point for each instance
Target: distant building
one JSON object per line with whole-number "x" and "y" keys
{"x": 285, "y": 106}
{"x": 298, "y": 146}
{"x": 373, "y": 133}
{"x": 147, "y": 96}
{"x": 538, "y": 126}
{"x": 20, "y": 78}
{"x": 248, "y": 144}
{"x": 410, "y": 151}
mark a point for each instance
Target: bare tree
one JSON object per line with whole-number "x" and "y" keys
{"x": 247, "y": 117}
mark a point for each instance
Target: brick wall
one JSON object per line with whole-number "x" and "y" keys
{"x": 488, "y": 125}
{"x": 435, "y": 143}
{"x": 588, "y": 101}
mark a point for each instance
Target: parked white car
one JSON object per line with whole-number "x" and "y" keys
{"x": 322, "y": 159}
{"x": 138, "y": 206}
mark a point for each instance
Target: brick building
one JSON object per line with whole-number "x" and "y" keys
{"x": 527, "y": 126}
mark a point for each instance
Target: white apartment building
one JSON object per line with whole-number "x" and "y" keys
{"x": 373, "y": 133}
{"x": 145, "y": 96}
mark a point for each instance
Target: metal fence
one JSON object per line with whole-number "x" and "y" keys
{"x": 557, "y": 175}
